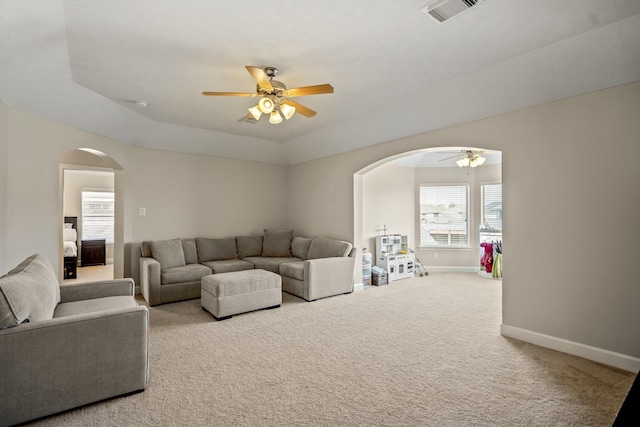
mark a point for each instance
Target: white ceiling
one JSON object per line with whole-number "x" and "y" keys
{"x": 396, "y": 71}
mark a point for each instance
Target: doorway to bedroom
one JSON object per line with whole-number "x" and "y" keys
{"x": 89, "y": 202}
{"x": 91, "y": 193}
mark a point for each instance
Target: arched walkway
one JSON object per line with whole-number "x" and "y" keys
{"x": 94, "y": 160}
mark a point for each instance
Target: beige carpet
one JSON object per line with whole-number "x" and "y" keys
{"x": 419, "y": 352}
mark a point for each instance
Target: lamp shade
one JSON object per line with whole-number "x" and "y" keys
{"x": 266, "y": 105}
{"x": 463, "y": 162}
{"x": 275, "y": 117}
{"x": 287, "y": 110}
{"x": 255, "y": 112}
{"x": 481, "y": 160}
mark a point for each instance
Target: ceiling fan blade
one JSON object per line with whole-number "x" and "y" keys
{"x": 307, "y": 112}
{"x": 309, "y": 90}
{"x": 453, "y": 157}
{"x": 260, "y": 77}
{"x": 229, "y": 94}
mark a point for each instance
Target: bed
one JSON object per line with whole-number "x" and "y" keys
{"x": 70, "y": 246}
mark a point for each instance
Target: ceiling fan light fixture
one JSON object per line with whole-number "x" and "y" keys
{"x": 287, "y": 110}
{"x": 463, "y": 162}
{"x": 275, "y": 117}
{"x": 266, "y": 105}
{"x": 255, "y": 112}
{"x": 476, "y": 160}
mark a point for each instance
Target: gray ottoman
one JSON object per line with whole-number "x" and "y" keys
{"x": 226, "y": 294}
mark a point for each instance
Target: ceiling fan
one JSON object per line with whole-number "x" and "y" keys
{"x": 275, "y": 96}
{"x": 471, "y": 158}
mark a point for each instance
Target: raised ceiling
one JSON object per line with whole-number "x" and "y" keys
{"x": 396, "y": 71}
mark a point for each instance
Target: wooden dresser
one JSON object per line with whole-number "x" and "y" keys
{"x": 93, "y": 252}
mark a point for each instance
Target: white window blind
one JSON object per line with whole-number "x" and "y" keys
{"x": 444, "y": 215}
{"x": 97, "y": 215}
{"x": 492, "y": 207}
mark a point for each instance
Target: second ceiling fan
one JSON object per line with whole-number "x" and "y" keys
{"x": 275, "y": 96}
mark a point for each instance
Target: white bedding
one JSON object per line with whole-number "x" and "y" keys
{"x": 70, "y": 248}
{"x": 69, "y": 238}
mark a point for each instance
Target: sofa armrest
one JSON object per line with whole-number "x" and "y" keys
{"x": 150, "y": 280}
{"x": 62, "y": 363}
{"x": 326, "y": 277}
{"x": 98, "y": 289}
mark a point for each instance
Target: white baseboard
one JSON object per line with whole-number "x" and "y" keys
{"x": 358, "y": 287}
{"x": 606, "y": 357}
{"x": 451, "y": 269}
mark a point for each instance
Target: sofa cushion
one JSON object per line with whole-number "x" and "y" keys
{"x": 228, "y": 265}
{"x": 168, "y": 253}
{"x": 249, "y": 246}
{"x": 216, "y": 249}
{"x": 277, "y": 243}
{"x": 269, "y": 263}
{"x": 190, "y": 251}
{"x": 183, "y": 274}
{"x": 300, "y": 247}
{"x": 29, "y": 292}
{"x": 322, "y": 247}
{"x": 293, "y": 269}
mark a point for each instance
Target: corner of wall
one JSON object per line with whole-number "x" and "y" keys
{"x": 4, "y": 155}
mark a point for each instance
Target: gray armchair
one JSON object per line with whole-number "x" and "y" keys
{"x": 66, "y": 346}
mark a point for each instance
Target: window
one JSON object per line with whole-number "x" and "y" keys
{"x": 443, "y": 215}
{"x": 97, "y": 215}
{"x": 491, "y": 207}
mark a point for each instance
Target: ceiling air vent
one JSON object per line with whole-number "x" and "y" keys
{"x": 441, "y": 10}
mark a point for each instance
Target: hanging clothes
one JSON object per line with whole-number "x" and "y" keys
{"x": 496, "y": 272}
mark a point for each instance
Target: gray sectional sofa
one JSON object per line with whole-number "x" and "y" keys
{"x": 311, "y": 268}
{"x": 66, "y": 346}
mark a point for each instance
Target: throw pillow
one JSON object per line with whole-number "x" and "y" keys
{"x": 190, "y": 251}
{"x": 277, "y": 243}
{"x": 249, "y": 246}
{"x": 168, "y": 253}
{"x": 300, "y": 247}
{"x": 322, "y": 247}
{"x": 29, "y": 292}
{"x": 145, "y": 249}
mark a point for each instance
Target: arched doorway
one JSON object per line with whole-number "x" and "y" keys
{"x": 387, "y": 200}
{"x": 87, "y": 159}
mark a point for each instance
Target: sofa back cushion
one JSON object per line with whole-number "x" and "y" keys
{"x": 277, "y": 243}
{"x": 216, "y": 249}
{"x": 322, "y": 247}
{"x": 190, "y": 251}
{"x": 300, "y": 247}
{"x": 145, "y": 249}
{"x": 30, "y": 292}
{"x": 168, "y": 253}
{"x": 249, "y": 246}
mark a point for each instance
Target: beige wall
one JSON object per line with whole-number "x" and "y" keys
{"x": 570, "y": 272}
{"x": 4, "y": 160}
{"x": 185, "y": 195}
{"x": 388, "y": 199}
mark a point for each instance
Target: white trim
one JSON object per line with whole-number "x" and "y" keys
{"x": 617, "y": 360}
{"x": 358, "y": 287}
